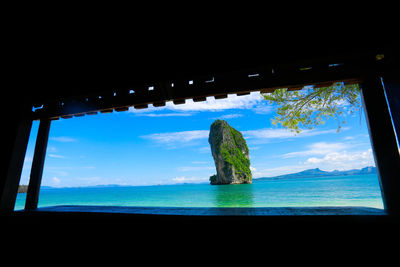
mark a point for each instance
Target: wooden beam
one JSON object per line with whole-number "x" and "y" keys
{"x": 221, "y": 96}
{"x": 199, "y": 99}
{"x": 21, "y": 130}
{"x": 383, "y": 142}
{"x": 159, "y": 104}
{"x": 143, "y": 106}
{"x": 179, "y": 101}
{"x": 35, "y": 180}
{"x": 236, "y": 82}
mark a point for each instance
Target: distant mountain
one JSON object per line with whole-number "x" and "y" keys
{"x": 311, "y": 173}
{"x": 106, "y": 185}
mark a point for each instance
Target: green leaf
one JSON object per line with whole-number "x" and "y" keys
{"x": 311, "y": 107}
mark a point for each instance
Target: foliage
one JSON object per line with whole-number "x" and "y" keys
{"x": 232, "y": 147}
{"x": 234, "y": 156}
{"x": 310, "y": 107}
{"x": 235, "y": 153}
{"x": 213, "y": 179}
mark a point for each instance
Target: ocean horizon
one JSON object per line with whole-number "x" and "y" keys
{"x": 356, "y": 190}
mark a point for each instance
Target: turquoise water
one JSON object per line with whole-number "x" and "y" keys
{"x": 361, "y": 190}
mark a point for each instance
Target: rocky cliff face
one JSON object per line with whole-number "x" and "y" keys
{"x": 230, "y": 153}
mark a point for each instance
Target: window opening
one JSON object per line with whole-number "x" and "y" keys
{"x": 26, "y": 168}
{"x": 210, "y": 81}
{"x": 161, "y": 157}
{"x": 36, "y": 108}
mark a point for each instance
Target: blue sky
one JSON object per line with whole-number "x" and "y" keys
{"x": 168, "y": 145}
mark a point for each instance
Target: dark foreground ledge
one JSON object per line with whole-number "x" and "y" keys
{"x": 272, "y": 211}
{"x": 198, "y": 223}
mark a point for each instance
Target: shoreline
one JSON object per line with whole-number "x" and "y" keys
{"x": 22, "y": 189}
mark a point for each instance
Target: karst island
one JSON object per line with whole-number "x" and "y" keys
{"x": 230, "y": 153}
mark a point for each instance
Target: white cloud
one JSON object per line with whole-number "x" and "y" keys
{"x": 252, "y": 101}
{"x": 343, "y": 160}
{"x": 63, "y": 139}
{"x": 177, "y": 137}
{"x": 189, "y": 180}
{"x": 211, "y": 104}
{"x": 28, "y": 159}
{"x": 278, "y": 133}
{"x": 356, "y": 137}
{"x": 333, "y": 156}
{"x": 263, "y": 109}
{"x": 90, "y": 181}
{"x": 204, "y": 149}
{"x": 195, "y": 168}
{"x": 268, "y": 133}
{"x": 179, "y": 179}
{"x": 56, "y": 156}
{"x": 228, "y": 116}
{"x": 261, "y": 135}
{"x": 323, "y": 155}
{"x": 57, "y": 170}
{"x": 55, "y": 181}
{"x": 51, "y": 149}
{"x": 200, "y": 162}
{"x": 275, "y": 171}
{"x": 89, "y": 167}
{"x": 165, "y": 114}
{"x": 319, "y": 148}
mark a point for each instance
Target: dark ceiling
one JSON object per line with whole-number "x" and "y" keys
{"x": 55, "y": 66}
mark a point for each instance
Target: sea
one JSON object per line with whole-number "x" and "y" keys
{"x": 358, "y": 190}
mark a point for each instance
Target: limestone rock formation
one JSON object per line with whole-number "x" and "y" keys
{"x": 230, "y": 153}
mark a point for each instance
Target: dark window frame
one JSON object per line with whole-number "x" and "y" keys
{"x": 294, "y": 77}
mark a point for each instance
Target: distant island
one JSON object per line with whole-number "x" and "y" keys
{"x": 311, "y": 173}
{"x": 22, "y": 189}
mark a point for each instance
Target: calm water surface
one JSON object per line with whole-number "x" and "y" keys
{"x": 360, "y": 190}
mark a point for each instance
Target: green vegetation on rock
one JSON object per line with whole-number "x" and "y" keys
{"x": 231, "y": 154}
{"x": 237, "y": 158}
{"x": 213, "y": 179}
